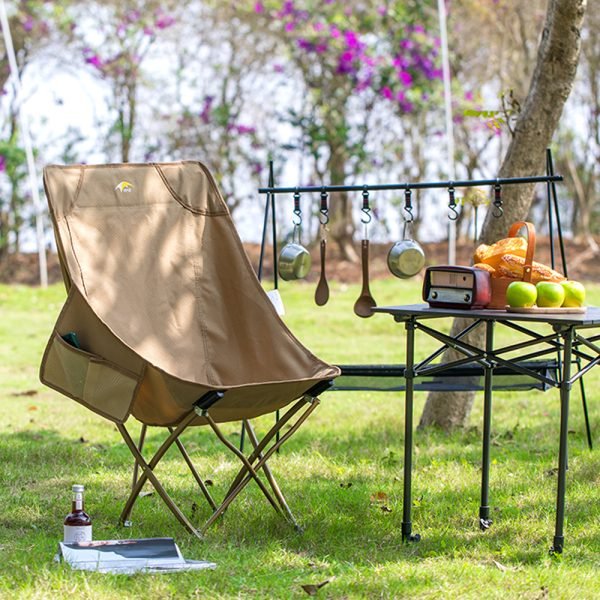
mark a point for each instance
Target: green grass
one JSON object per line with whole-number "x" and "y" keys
{"x": 349, "y": 452}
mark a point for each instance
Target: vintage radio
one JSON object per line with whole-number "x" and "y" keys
{"x": 456, "y": 287}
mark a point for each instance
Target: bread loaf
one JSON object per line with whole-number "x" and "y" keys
{"x": 491, "y": 255}
{"x": 511, "y": 266}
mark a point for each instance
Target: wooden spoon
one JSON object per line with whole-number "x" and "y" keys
{"x": 363, "y": 307}
{"x": 322, "y": 291}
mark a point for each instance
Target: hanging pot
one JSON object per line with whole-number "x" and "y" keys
{"x": 406, "y": 257}
{"x": 294, "y": 260}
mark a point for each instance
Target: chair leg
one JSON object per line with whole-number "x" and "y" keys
{"x": 267, "y": 439}
{"x": 270, "y": 478}
{"x": 147, "y": 473}
{"x": 140, "y": 448}
{"x": 137, "y": 488}
{"x": 245, "y": 475}
{"x": 195, "y": 474}
{"x": 247, "y": 465}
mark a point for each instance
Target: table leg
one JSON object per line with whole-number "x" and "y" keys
{"x": 484, "y": 509}
{"x": 565, "y": 391}
{"x": 409, "y": 374}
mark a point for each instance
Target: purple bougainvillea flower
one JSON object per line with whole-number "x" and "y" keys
{"x": 405, "y": 78}
{"x": 95, "y": 61}
{"x": 245, "y": 129}
{"x": 318, "y": 27}
{"x": 259, "y": 7}
{"x": 28, "y": 23}
{"x": 321, "y": 47}
{"x": 387, "y": 93}
{"x": 2, "y": 163}
{"x": 278, "y": 68}
{"x": 304, "y": 44}
{"x": 469, "y": 96}
{"x": 163, "y": 21}
{"x": 288, "y": 8}
{"x": 290, "y": 26}
{"x": 335, "y": 32}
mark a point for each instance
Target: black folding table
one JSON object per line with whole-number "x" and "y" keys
{"x": 570, "y": 338}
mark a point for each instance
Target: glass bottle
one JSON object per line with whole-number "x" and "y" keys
{"x": 77, "y": 525}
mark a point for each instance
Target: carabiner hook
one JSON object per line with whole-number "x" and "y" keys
{"x": 324, "y": 210}
{"x": 497, "y": 211}
{"x": 408, "y": 205}
{"x": 453, "y": 214}
{"x": 366, "y": 209}
{"x": 297, "y": 218}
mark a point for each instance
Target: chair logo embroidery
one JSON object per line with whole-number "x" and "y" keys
{"x": 124, "y": 186}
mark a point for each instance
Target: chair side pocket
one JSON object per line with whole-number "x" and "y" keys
{"x": 93, "y": 381}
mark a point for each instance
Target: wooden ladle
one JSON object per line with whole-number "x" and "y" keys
{"x": 363, "y": 307}
{"x": 322, "y": 291}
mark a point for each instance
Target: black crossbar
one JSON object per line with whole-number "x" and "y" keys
{"x": 417, "y": 185}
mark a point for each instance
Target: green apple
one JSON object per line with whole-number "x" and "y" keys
{"x": 550, "y": 294}
{"x": 521, "y": 294}
{"x": 574, "y": 293}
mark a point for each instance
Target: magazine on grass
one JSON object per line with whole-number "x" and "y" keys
{"x": 150, "y": 555}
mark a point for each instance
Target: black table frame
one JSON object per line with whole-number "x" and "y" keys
{"x": 565, "y": 342}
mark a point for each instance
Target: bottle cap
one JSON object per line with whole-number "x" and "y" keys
{"x": 77, "y": 488}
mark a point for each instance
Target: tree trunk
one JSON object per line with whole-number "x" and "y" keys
{"x": 342, "y": 224}
{"x": 551, "y": 84}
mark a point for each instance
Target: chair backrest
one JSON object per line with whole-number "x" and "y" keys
{"x": 160, "y": 285}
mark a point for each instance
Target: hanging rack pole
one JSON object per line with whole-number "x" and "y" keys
{"x": 265, "y": 222}
{"x": 550, "y": 217}
{"x": 274, "y": 228}
{"x": 415, "y": 186}
{"x": 556, "y": 213}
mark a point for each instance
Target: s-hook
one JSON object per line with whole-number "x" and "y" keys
{"x": 324, "y": 209}
{"x": 297, "y": 219}
{"x": 453, "y": 214}
{"x": 366, "y": 209}
{"x": 408, "y": 205}
{"x": 497, "y": 211}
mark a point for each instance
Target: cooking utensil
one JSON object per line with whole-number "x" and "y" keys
{"x": 294, "y": 259}
{"x": 363, "y": 307}
{"x": 322, "y": 291}
{"x": 406, "y": 257}
{"x": 294, "y": 262}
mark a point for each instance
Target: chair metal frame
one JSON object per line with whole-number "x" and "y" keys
{"x": 252, "y": 463}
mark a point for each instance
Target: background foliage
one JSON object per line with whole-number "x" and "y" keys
{"x": 334, "y": 92}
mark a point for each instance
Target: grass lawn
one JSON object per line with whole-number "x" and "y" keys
{"x": 342, "y": 475}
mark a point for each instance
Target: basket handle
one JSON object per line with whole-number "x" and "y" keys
{"x": 513, "y": 232}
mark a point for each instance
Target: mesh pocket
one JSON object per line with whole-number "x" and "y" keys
{"x": 95, "y": 382}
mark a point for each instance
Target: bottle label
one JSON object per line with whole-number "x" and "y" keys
{"x": 77, "y": 533}
{"x": 78, "y": 499}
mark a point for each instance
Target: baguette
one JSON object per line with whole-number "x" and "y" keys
{"x": 485, "y": 267}
{"x": 491, "y": 255}
{"x": 511, "y": 266}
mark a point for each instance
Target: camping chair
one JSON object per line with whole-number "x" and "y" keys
{"x": 166, "y": 321}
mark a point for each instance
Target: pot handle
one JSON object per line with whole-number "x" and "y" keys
{"x": 513, "y": 232}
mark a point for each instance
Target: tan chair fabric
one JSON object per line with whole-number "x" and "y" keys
{"x": 163, "y": 299}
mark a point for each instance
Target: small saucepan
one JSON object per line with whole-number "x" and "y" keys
{"x": 294, "y": 260}
{"x": 406, "y": 257}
